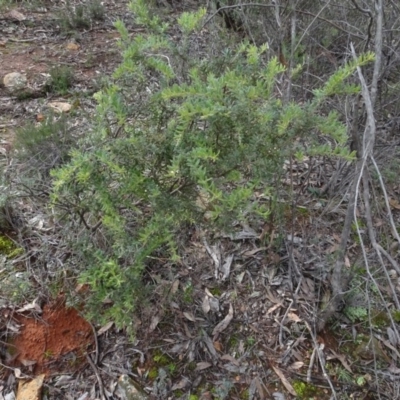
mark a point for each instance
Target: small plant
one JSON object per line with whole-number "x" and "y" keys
{"x": 61, "y": 79}
{"x": 304, "y": 390}
{"x": 8, "y": 248}
{"x": 73, "y": 18}
{"x": 188, "y": 294}
{"x": 81, "y": 17}
{"x": 356, "y": 313}
{"x": 44, "y": 146}
{"x": 250, "y": 341}
{"x": 48, "y": 354}
{"x": 396, "y": 316}
{"x": 96, "y": 10}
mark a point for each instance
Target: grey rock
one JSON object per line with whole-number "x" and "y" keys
{"x": 14, "y": 81}
{"x": 129, "y": 390}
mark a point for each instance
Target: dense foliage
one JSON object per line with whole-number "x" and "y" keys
{"x": 182, "y": 140}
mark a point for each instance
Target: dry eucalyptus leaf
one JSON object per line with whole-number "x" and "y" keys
{"x": 60, "y": 106}
{"x": 284, "y": 381}
{"x": 294, "y": 317}
{"x": 105, "y": 328}
{"x": 31, "y": 307}
{"x": 28, "y": 363}
{"x": 203, "y": 365}
{"x": 184, "y": 382}
{"x": 206, "y": 305}
{"x": 224, "y": 323}
{"x": 175, "y": 286}
{"x": 154, "y": 322}
{"x": 297, "y": 365}
{"x": 189, "y": 316}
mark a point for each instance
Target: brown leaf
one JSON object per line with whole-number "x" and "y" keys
{"x": 217, "y": 345}
{"x": 154, "y": 322}
{"x": 60, "y": 106}
{"x": 73, "y": 46}
{"x": 175, "y": 286}
{"x": 202, "y": 365}
{"x": 184, "y": 382}
{"x": 272, "y": 309}
{"x": 27, "y": 363}
{"x": 343, "y": 360}
{"x": 296, "y": 365}
{"x": 206, "y": 305}
{"x": 105, "y": 328}
{"x": 284, "y": 381}
{"x": 33, "y": 306}
{"x": 189, "y": 316}
{"x": 224, "y": 323}
{"x": 228, "y": 357}
{"x": 294, "y": 317}
{"x": 394, "y": 203}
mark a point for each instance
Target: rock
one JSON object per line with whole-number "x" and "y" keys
{"x": 14, "y": 81}
{"x": 30, "y": 390}
{"x": 129, "y": 390}
{"x": 16, "y": 16}
{"x": 60, "y": 106}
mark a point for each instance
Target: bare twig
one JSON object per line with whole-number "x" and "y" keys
{"x": 99, "y": 380}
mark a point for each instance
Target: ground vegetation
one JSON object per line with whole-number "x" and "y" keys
{"x": 220, "y": 201}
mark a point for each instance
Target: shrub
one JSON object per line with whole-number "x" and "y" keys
{"x": 180, "y": 140}
{"x": 44, "y": 146}
{"x": 61, "y": 79}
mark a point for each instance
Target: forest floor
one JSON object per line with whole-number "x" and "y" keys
{"x": 228, "y": 322}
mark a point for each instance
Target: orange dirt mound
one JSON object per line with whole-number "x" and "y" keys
{"x": 57, "y": 340}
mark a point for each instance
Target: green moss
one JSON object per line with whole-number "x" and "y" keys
{"x": 304, "y": 390}
{"x": 216, "y": 291}
{"x": 193, "y": 397}
{"x": 188, "y": 294}
{"x": 161, "y": 359}
{"x": 8, "y": 247}
{"x": 153, "y": 373}
{"x": 380, "y": 319}
{"x": 233, "y": 342}
{"x": 192, "y": 366}
{"x": 396, "y": 315}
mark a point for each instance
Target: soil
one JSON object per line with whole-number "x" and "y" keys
{"x": 57, "y": 341}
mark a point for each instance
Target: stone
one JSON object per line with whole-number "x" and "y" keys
{"x": 14, "y": 80}
{"x": 129, "y": 390}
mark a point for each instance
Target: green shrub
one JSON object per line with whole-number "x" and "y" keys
{"x": 80, "y": 17}
{"x": 74, "y": 18}
{"x": 197, "y": 142}
{"x": 61, "y": 79}
{"x": 38, "y": 149}
{"x": 96, "y": 10}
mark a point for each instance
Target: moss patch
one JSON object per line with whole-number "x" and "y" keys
{"x": 8, "y": 248}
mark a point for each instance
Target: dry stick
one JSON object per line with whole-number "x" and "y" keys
{"x": 273, "y": 5}
{"x": 370, "y": 275}
{"x": 311, "y": 364}
{"x": 321, "y": 359}
{"x": 99, "y": 381}
{"x": 368, "y": 145}
{"x": 392, "y": 224}
{"x": 378, "y": 249}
